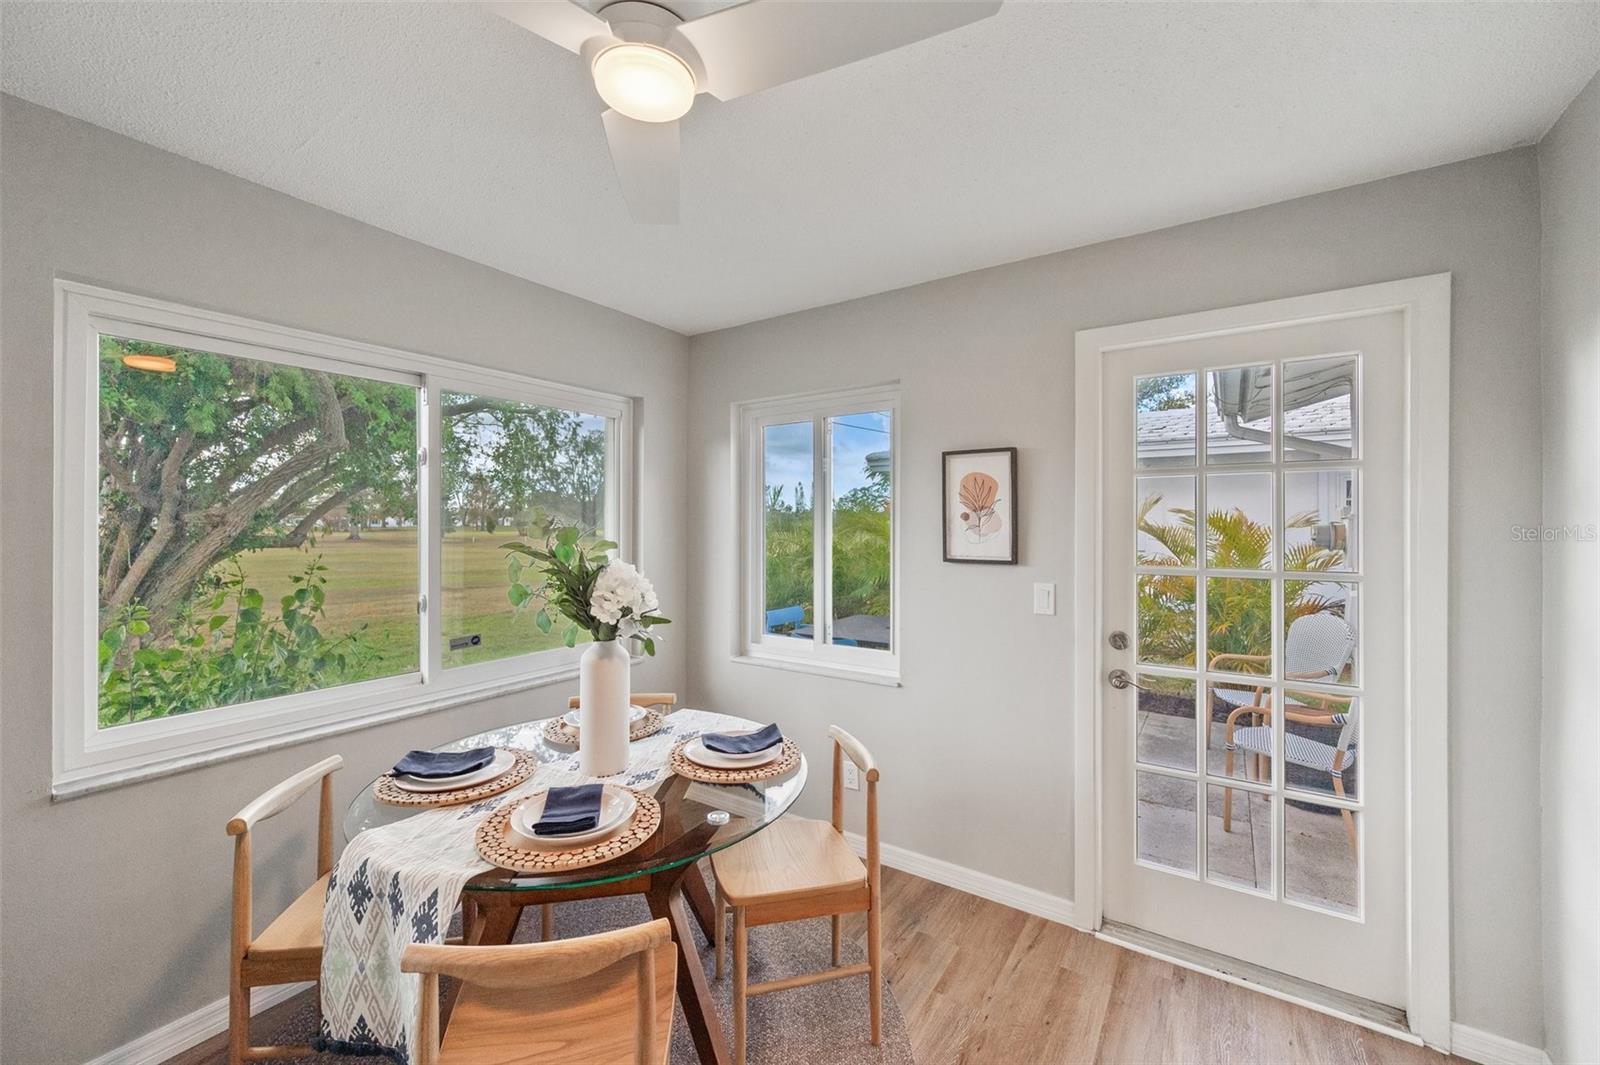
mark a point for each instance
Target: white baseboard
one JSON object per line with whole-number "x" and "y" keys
{"x": 1017, "y": 896}
{"x": 1486, "y": 1048}
{"x": 175, "y": 1037}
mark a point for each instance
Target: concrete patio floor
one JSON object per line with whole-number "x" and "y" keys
{"x": 1319, "y": 868}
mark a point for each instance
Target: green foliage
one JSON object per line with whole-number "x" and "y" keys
{"x": 1238, "y": 609}
{"x": 223, "y": 648}
{"x": 1166, "y": 392}
{"x": 558, "y": 582}
{"x": 861, "y": 562}
{"x": 506, "y": 459}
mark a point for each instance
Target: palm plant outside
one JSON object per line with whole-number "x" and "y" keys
{"x": 1238, "y": 610}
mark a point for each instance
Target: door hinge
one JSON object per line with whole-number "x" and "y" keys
{"x": 422, "y": 457}
{"x": 422, "y": 604}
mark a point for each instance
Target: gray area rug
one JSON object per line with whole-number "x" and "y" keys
{"x": 822, "y": 1024}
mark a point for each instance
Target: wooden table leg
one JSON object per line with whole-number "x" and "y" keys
{"x": 700, "y": 904}
{"x": 666, "y": 899}
{"x": 494, "y": 924}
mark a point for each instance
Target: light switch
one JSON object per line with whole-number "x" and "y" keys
{"x": 1044, "y": 599}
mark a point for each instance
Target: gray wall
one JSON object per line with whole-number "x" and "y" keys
{"x": 1569, "y": 181}
{"x": 986, "y": 359}
{"x": 116, "y": 915}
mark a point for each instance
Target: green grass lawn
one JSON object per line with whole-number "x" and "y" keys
{"x": 373, "y": 581}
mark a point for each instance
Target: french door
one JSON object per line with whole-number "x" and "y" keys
{"x": 1253, "y": 632}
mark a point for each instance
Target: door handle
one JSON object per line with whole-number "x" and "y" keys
{"x": 1120, "y": 679}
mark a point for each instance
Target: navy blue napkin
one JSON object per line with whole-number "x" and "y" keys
{"x": 758, "y": 740}
{"x": 433, "y": 764}
{"x": 570, "y": 810}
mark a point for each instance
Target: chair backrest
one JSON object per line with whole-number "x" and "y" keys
{"x": 1317, "y": 646}
{"x": 847, "y": 746}
{"x": 268, "y": 804}
{"x": 532, "y": 967}
{"x": 664, "y": 701}
{"x": 785, "y": 615}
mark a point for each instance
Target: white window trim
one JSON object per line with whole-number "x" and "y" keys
{"x": 88, "y": 759}
{"x": 751, "y": 645}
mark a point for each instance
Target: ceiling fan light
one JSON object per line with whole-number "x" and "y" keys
{"x": 644, "y": 82}
{"x": 153, "y": 363}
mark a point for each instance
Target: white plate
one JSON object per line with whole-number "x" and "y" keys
{"x": 617, "y": 805}
{"x": 698, "y": 753}
{"x": 634, "y": 714}
{"x": 503, "y": 761}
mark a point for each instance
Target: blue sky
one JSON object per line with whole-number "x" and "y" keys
{"x": 855, "y": 436}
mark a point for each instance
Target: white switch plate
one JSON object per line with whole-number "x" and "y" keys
{"x": 852, "y": 776}
{"x": 1044, "y": 599}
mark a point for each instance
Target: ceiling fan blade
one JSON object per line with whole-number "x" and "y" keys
{"x": 763, "y": 43}
{"x": 559, "y": 21}
{"x": 646, "y": 157}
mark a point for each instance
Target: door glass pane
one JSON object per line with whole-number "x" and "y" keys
{"x": 786, "y": 458}
{"x": 1319, "y": 408}
{"x": 1166, "y": 619}
{"x": 862, "y": 464}
{"x": 510, "y": 471}
{"x": 1323, "y": 743}
{"x": 1239, "y": 520}
{"x": 257, "y": 530}
{"x": 1166, "y": 828}
{"x": 1239, "y": 624}
{"x": 1319, "y": 509}
{"x": 1240, "y": 717}
{"x": 1164, "y": 418}
{"x": 1239, "y": 415}
{"x": 1166, "y": 721}
{"x": 1239, "y": 838}
{"x": 1165, "y": 521}
{"x": 1321, "y": 863}
{"x": 1319, "y": 640}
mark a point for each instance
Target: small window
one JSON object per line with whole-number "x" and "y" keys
{"x": 820, "y": 556}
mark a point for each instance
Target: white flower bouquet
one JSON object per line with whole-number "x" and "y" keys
{"x": 581, "y": 582}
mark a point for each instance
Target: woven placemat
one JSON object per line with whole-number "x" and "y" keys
{"x": 556, "y": 730}
{"x": 388, "y": 791}
{"x": 495, "y": 847}
{"x": 684, "y": 766}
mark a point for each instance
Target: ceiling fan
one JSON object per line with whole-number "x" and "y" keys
{"x": 648, "y": 64}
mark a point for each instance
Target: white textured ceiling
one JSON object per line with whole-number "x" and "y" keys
{"x": 1047, "y": 126}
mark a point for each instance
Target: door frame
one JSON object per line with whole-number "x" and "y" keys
{"x": 1424, "y": 303}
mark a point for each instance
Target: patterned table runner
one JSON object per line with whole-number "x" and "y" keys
{"x": 400, "y": 883}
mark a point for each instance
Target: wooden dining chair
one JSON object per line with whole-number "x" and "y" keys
{"x": 289, "y": 949}
{"x": 663, "y": 701}
{"x": 798, "y": 868}
{"x": 571, "y": 1001}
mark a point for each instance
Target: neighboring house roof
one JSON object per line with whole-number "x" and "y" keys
{"x": 1331, "y": 417}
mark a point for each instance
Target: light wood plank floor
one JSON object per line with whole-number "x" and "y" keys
{"x": 978, "y": 982}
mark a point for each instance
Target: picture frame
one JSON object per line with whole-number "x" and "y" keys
{"x": 980, "y": 506}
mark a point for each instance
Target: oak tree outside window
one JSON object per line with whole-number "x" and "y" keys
{"x": 268, "y": 534}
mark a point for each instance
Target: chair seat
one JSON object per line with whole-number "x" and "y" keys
{"x": 296, "y": 933}
{"x": 1300, "y": 750}
{"x": 794, "y": 858}
{"x": 584, "y": 1022}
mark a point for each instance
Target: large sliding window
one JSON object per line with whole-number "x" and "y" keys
{"x": 267, "y": 534}
{"x": 819, "y": 560}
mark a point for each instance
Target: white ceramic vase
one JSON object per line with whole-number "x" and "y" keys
{"x": 604, "y": 694}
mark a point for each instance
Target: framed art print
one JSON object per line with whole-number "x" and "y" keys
{"x": 980, "y": 505}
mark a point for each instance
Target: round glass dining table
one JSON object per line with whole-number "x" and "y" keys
{"x": 697, "y": 820}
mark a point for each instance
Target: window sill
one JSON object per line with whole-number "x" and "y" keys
{"x": 886, "y": 678}
{"x": 89, "y": 781}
